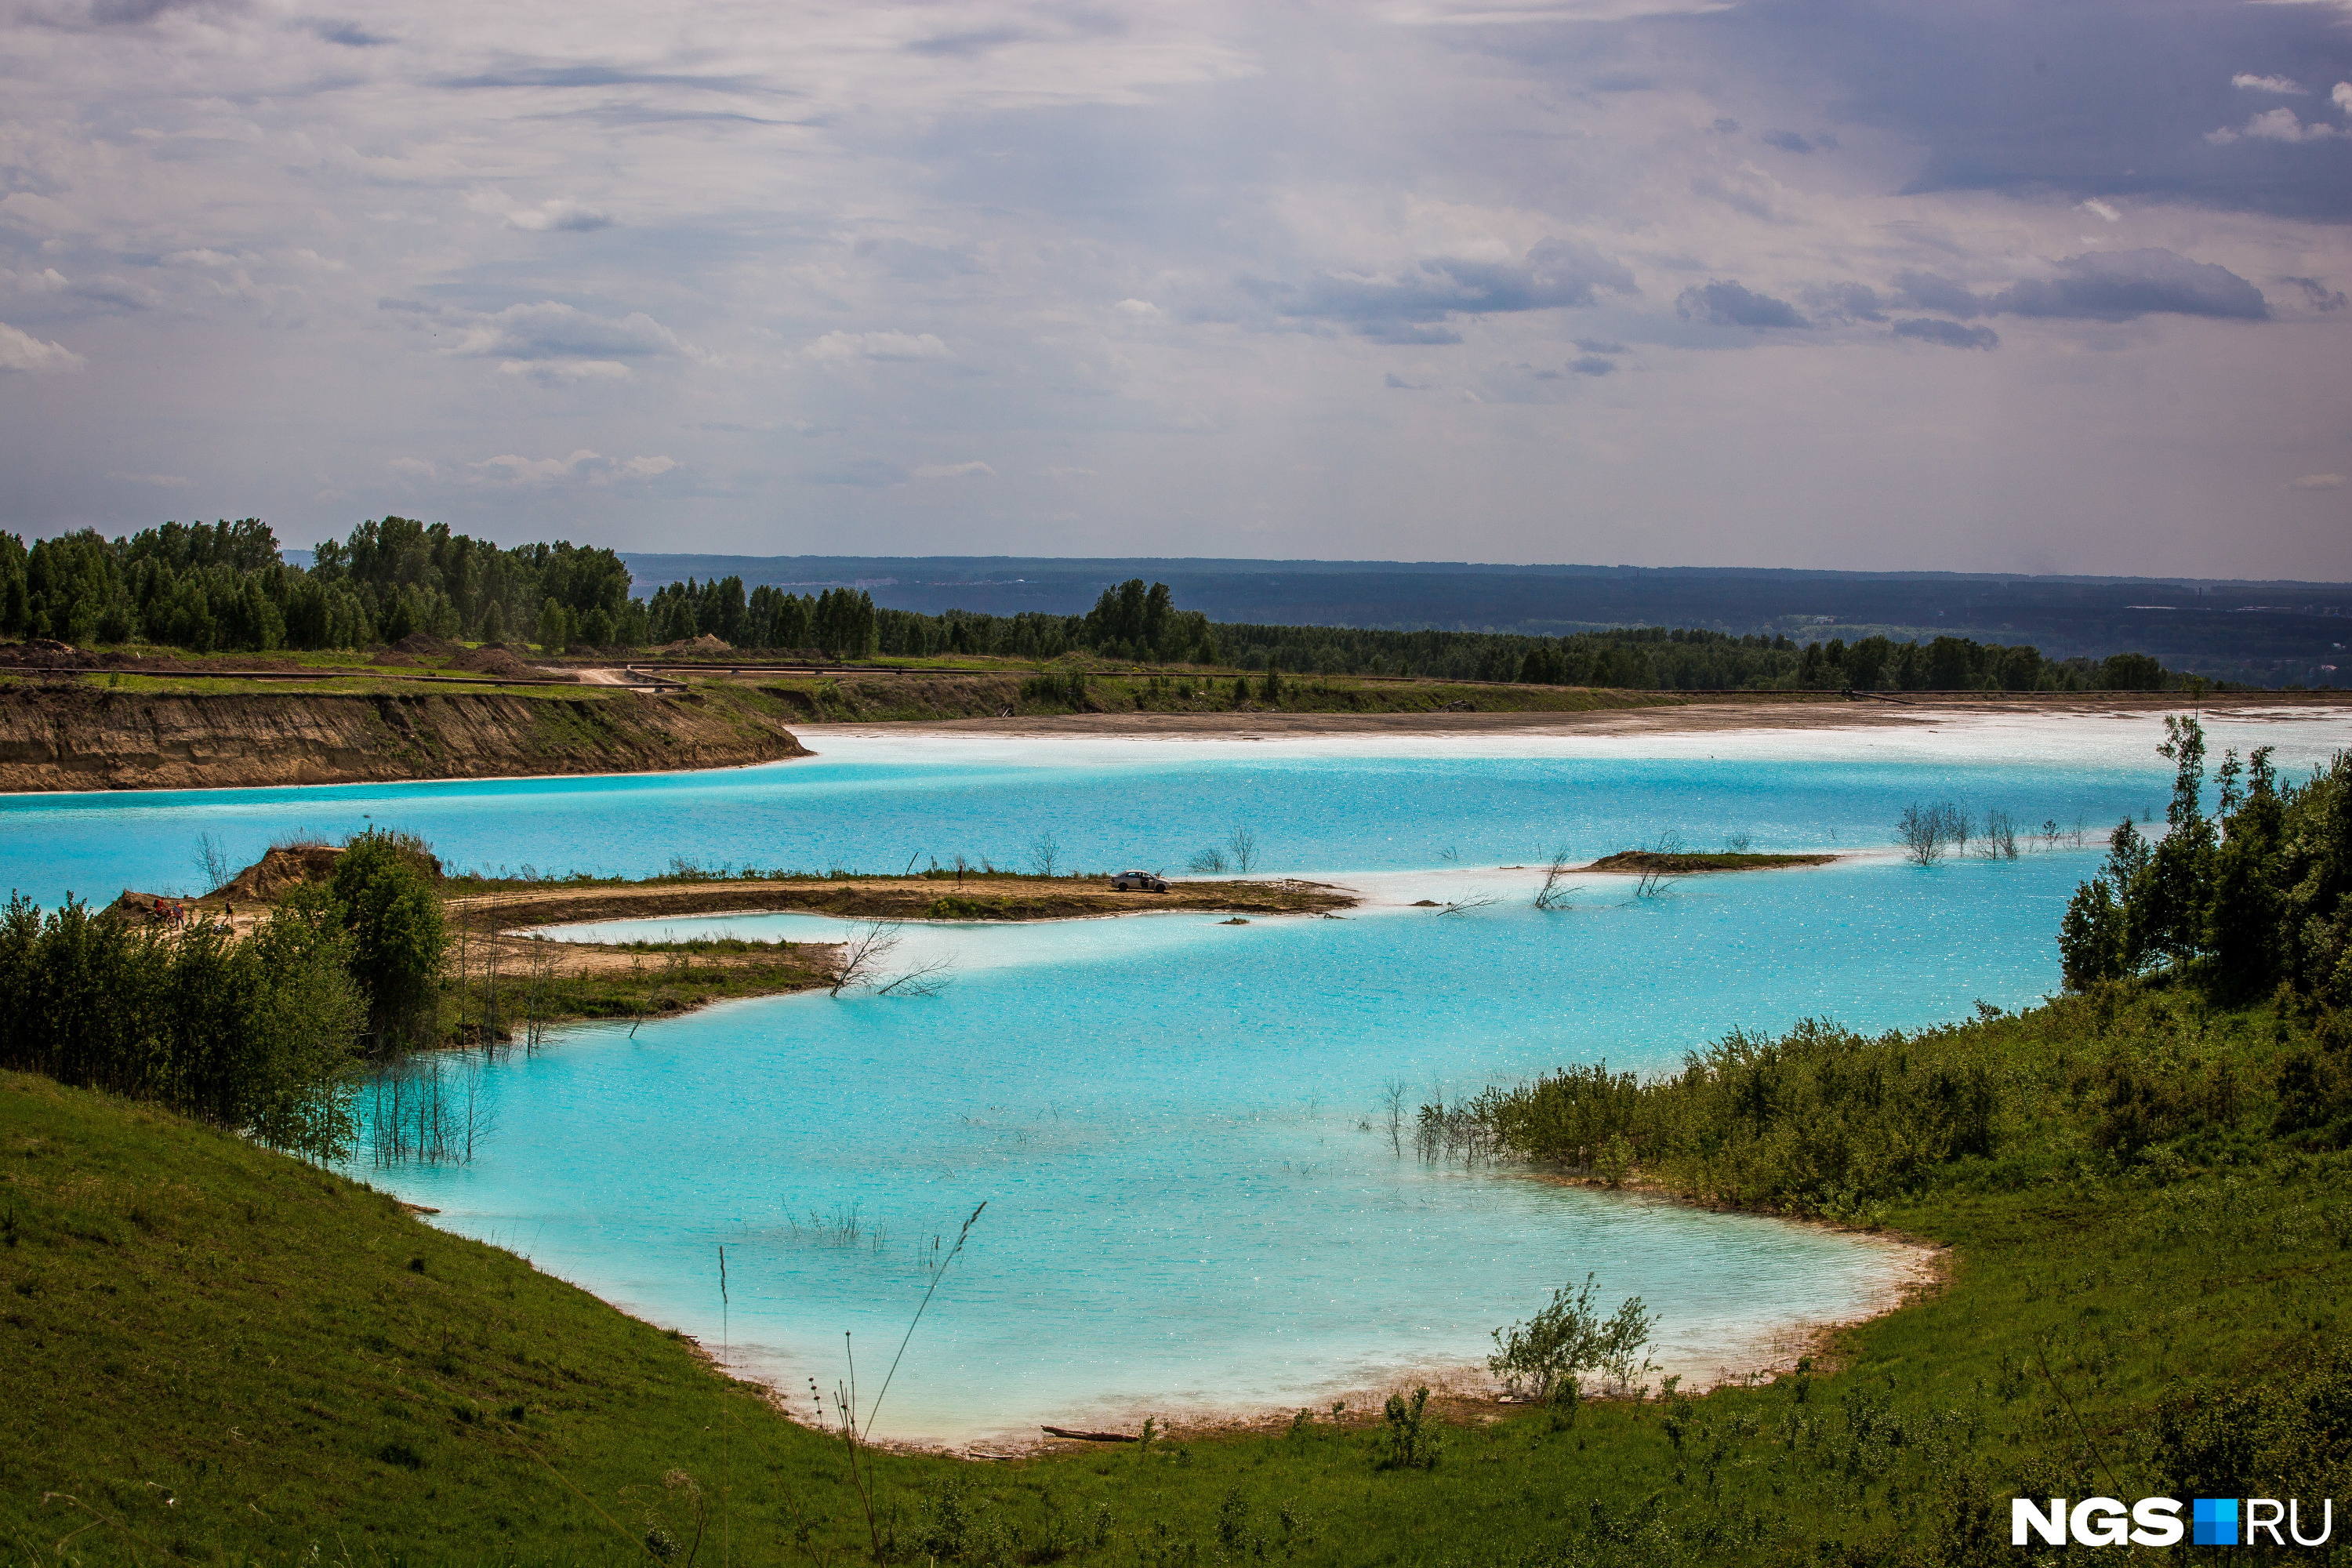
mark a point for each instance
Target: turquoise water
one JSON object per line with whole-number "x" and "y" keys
{"x": 874, "y": 802}
{"x": 1193, "y": 1203}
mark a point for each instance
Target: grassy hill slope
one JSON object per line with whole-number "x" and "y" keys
{"x": 211, "y": 1352}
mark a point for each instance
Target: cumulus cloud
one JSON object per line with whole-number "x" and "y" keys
{"x": 2267, "y": 83}
{"x": 953, "y": 471}
{"x": 510, "y": 471}
{"x": 1050, "y": 230}
{"x": 21, "y": 351}
{"x": 1846, "y": 302}
{"x": 2116, "y": 286}
{"x": 1730, "y": 304}
{"x": 841, "y": 348}
{"x": 2342, "y": 96}
{"x": 565, "y": 371}
{"x": 1949, "y": 335}
{"x": 1933, "y": 291}
{"x": 560, "y": 215}
{"x": 1413, "y": 306}
{"x": 550, "y": 331}
{"x": 2316, "y": 294}
{"x": 2276, "y": 125}
{"x": 2319, "y": 482}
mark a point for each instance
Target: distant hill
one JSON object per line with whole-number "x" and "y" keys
{"x": 2261, "y": 633}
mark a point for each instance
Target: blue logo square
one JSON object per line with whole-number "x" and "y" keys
{"x": 2213, "y": 1521}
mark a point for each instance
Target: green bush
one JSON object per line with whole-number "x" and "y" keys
{"x": 256, "y": 1034}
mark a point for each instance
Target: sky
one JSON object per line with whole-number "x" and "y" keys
{"x": 1994, "y": 286}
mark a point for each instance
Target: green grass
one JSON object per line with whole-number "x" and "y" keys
{"x": 217, "y": 1352}
{"x": 670, "y": 981}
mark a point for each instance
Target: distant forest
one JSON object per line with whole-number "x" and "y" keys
{"x": 2257, "y": 632}
{"x": 224, "y": 587}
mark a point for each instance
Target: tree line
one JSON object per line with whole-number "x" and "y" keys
{"x": 263, "y": 1035}
{"x": 1659, "y": 657}
{"x": 223, "y": 587}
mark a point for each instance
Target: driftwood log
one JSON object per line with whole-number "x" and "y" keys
{"x": 1088, "y": 1437}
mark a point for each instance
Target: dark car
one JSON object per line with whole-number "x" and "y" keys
{"x": 1131, "y": 881}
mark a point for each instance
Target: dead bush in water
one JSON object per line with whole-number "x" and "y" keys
{"x": 1464, "y": 1130}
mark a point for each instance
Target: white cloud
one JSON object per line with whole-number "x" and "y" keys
{"x": 510, "y": 471}
{"x": 2319, "y": 482}
{"x": 953, "y": 471}
{"x": 2276, "y": 125}
{"x": 562, "y": 214}
{"x": 2098, "y": 208}
{"x": 551, "y": 330}
{"x": 159, "y": 481}
{"x": 564, "y": 372}
{"x": 414, "y": 468}
{"x": 22, "y": 351}
{"x": 2266, "y": 83}
{"x": 2342, "y": 96}
{"x": 1137, "y": 307}
{"x": 839, "y": 348}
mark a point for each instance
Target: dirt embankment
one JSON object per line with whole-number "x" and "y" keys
{"x": 1682, "y": 864}
{"x": 84, "y": 738}
{"x": 889, "y": 898}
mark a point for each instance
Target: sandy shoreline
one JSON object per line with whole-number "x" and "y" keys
{"x": 1462, "y": 1393}
{"x": 1681, "y": 717}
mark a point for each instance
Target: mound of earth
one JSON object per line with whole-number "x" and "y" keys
{"x": 40, "y": 653}
{"x": 495, "y": 659}
{"x": 282, "y": 867}
{"x": 706, "y": 643}
{"x": 425, "y": 644}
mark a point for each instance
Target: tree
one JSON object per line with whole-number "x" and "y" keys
{"x": 2090, "y": 936}
{"x": 2167, "y": 899}
{"x": 555, "y": 627}
{"x": 303, "y": 1029}
{"x": 383, "y": 889}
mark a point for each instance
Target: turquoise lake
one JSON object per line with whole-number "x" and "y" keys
{"x": 1193, "y": 1204}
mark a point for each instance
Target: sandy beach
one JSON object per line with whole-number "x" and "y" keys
{"x": 1793, "y": 711}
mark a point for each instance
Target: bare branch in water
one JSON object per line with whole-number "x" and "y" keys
{"x": 1654, "y": 879}
{"x": 925, "y": 979}
{"x": 870, "y": 947}
{"x": 1555, "y": 893}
